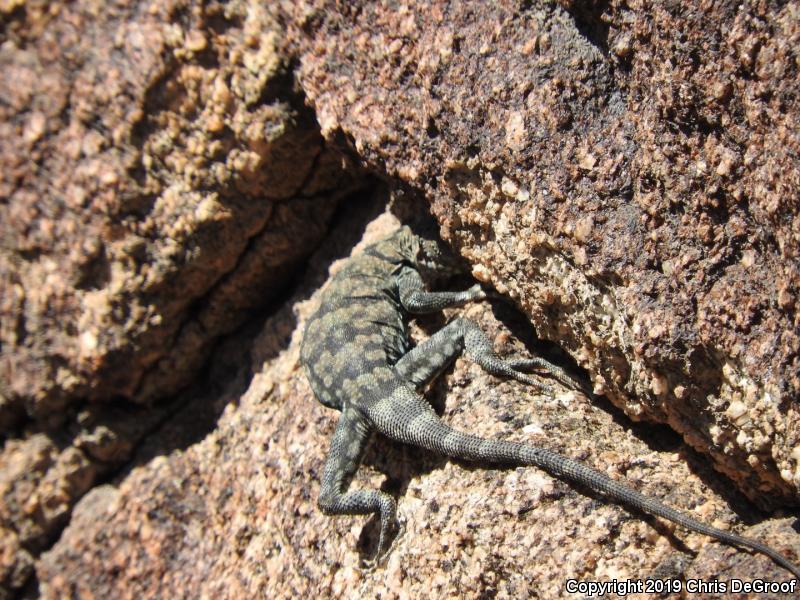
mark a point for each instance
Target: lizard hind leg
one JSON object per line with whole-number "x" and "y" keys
{"x": 347, "y": 447}
{"x": 423, "y": 363}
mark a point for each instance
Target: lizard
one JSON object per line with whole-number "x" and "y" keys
{"x": 359, "y": 359}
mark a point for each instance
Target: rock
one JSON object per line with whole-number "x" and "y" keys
{"x": 235, "y": 515}
{"x": 158, "y": 191}
{"x": 16, "y": 563}
{"x": 161, "y": 181}
{"x": 167, "y": 168}
{"x": 639, "y": 204}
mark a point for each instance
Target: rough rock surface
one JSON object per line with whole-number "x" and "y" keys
{"x": 628, "y": 171}
{"x": 160, "y": 179}
{"x": 234, "y": 515}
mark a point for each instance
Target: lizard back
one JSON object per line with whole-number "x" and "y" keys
{"x": 359, "y": 328}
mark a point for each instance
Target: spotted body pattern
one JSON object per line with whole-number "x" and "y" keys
{"x": 360, "y": 361}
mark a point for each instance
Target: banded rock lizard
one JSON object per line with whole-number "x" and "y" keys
{"x": 359, "y": 360}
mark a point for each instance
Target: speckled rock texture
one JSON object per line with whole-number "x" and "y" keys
{"x": 234, "y": 515}
{"x": 160, "y": 180}
{"x": 627, "y": 171}
{"x": 160, "y": 177}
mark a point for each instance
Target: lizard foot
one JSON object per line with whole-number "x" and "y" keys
{"x": 385, "y": 546}
{"x": 539, "y": 364}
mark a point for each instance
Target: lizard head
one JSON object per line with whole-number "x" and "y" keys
{"x": 430, "y": 255}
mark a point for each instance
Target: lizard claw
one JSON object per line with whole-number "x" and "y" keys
{"x": 542, "y": 387}
{"x": 385, "y": 545}
{"x": 548, "y": 368}
{"x": 477, "y": 292}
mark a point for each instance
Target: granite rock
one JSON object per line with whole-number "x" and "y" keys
{"x": 627, "y": 171}
{"x": 160, "y": 181}
{"x": 234, "y": 515}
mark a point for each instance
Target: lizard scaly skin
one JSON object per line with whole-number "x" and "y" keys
{"x": 360, "y": 361}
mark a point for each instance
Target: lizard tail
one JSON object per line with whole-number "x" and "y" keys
{"x": 571, "y": 470}
{"x": 427, "y": 430}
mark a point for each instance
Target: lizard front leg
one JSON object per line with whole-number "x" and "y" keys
{"x": 416, "y": 300}
{"x": 347, "y": 446}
